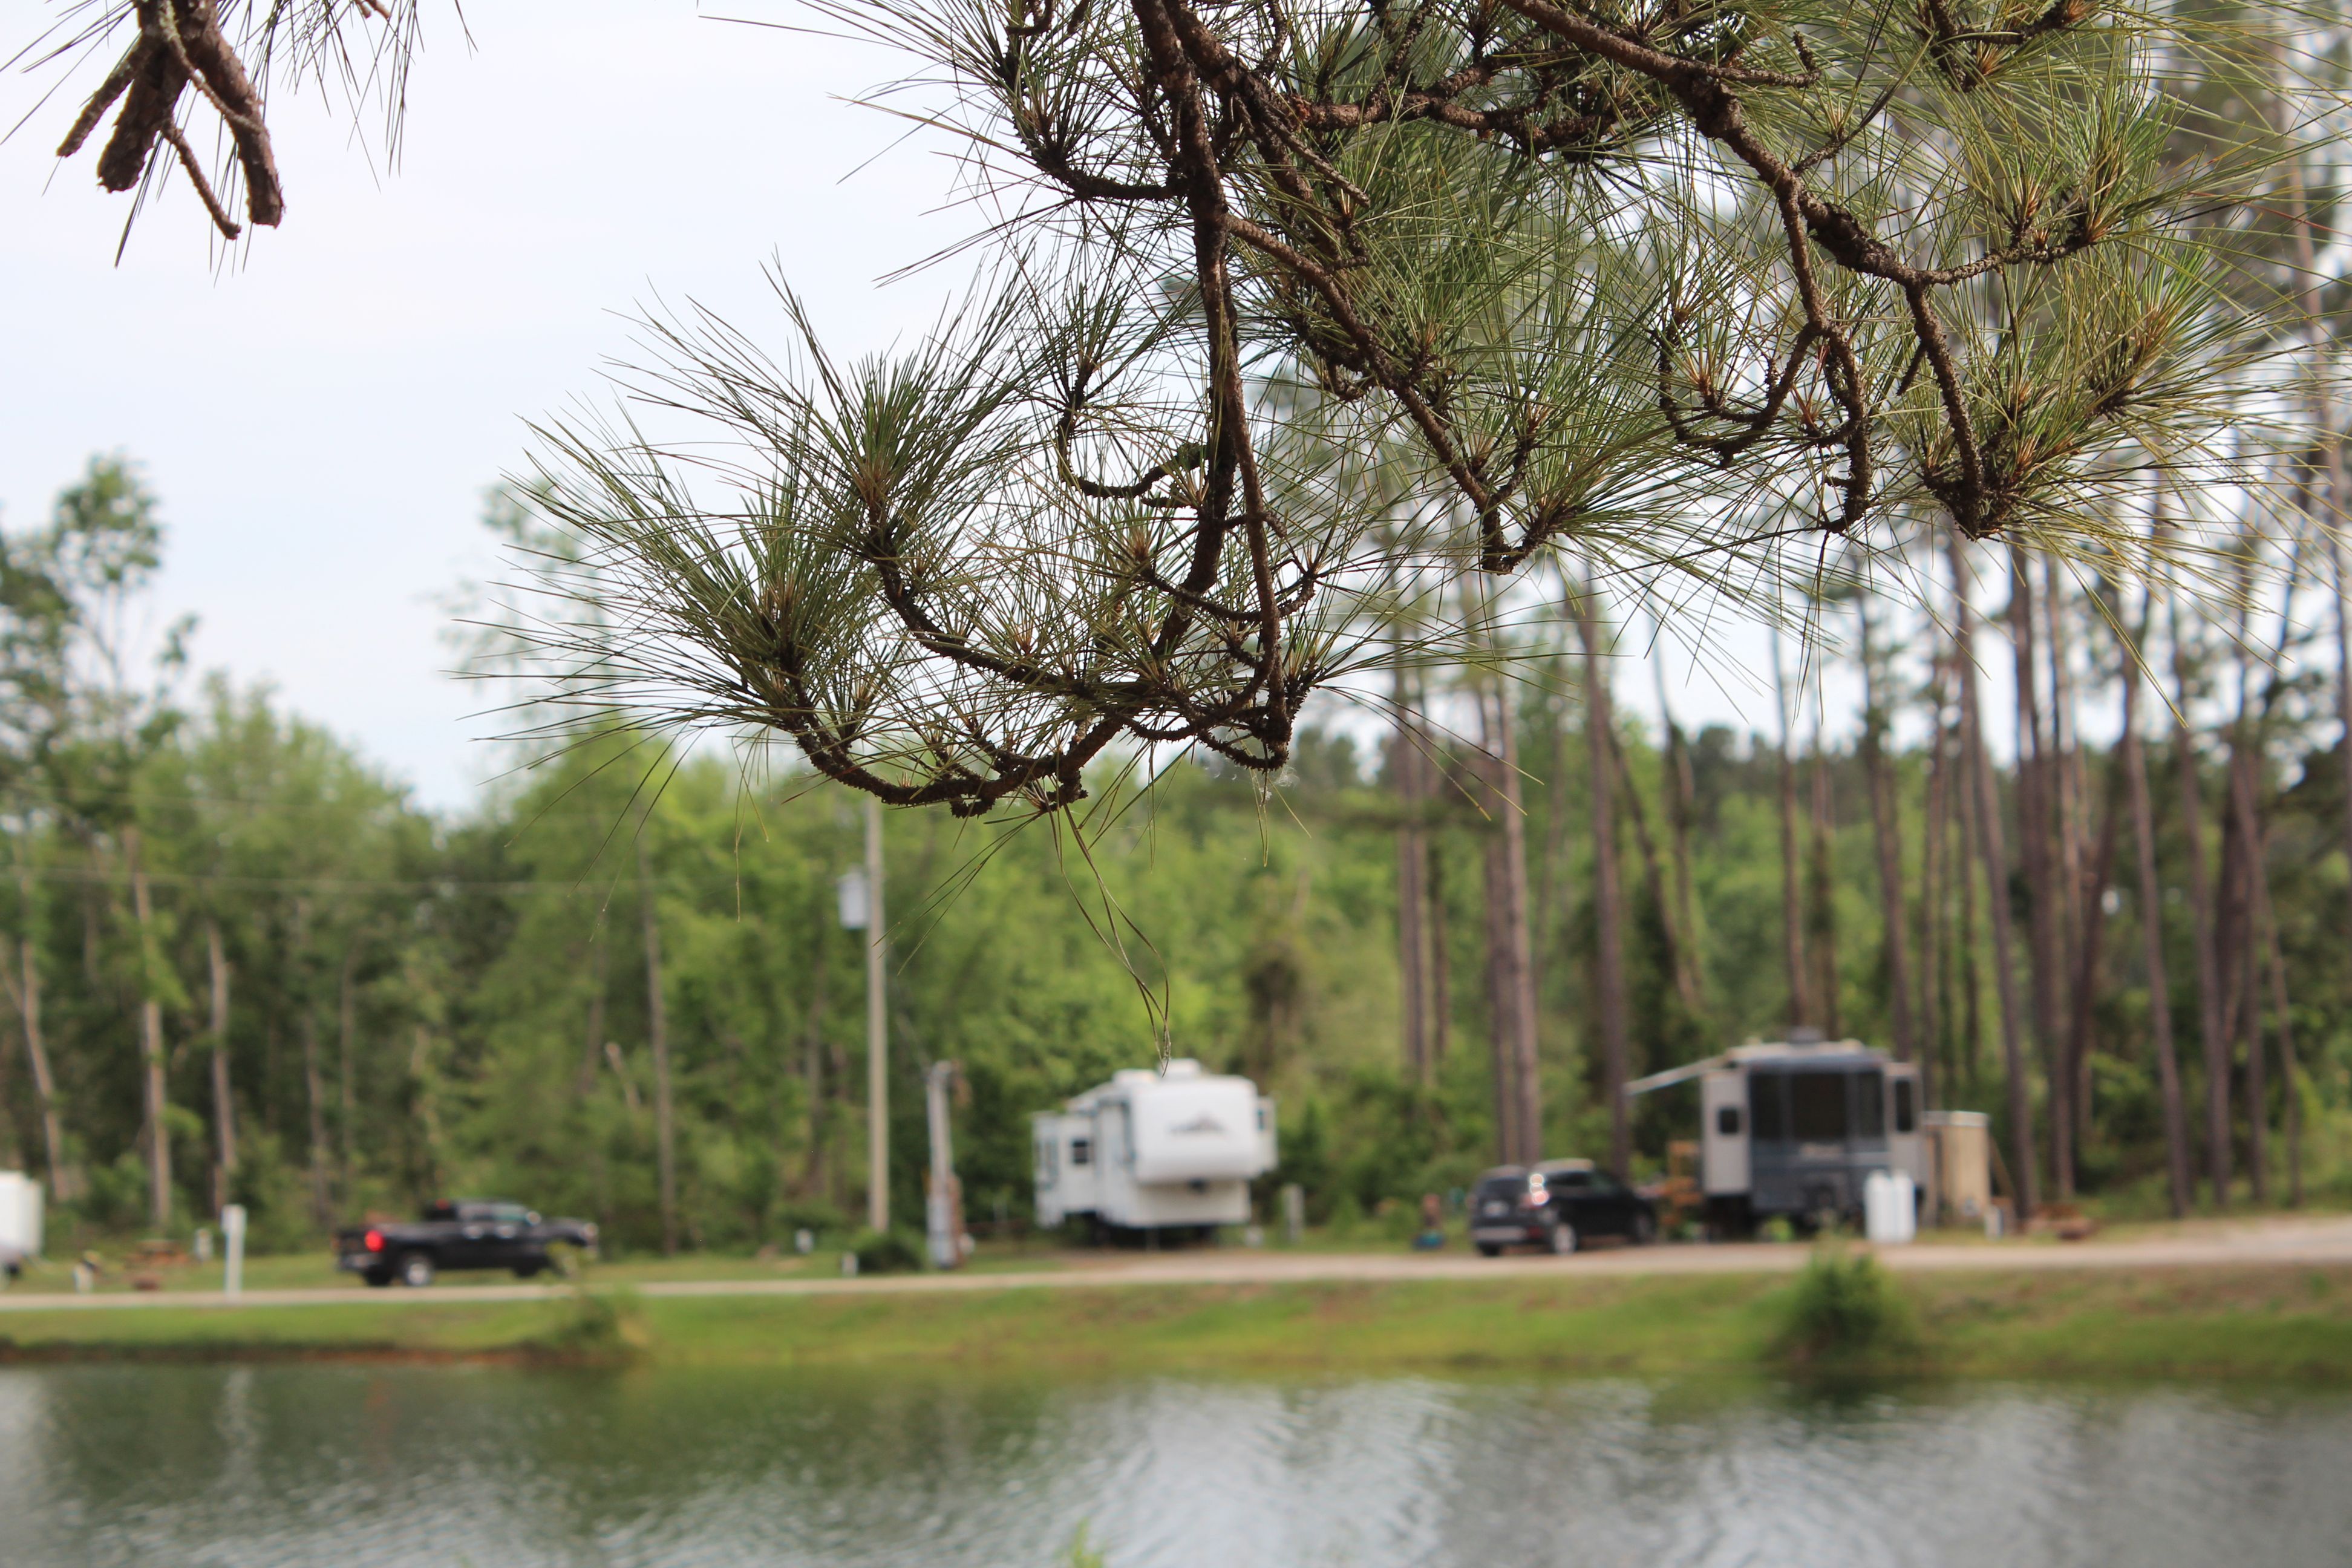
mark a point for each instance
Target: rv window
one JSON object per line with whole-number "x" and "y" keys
{"x": 1870, "y": 1106}
{"x": 1907, "y": 1109}
{"x": 1817, "y": 1107}
{"x": 1082, "y": 1151}
{"x": 1727, "y": 1121}
{"x": 1767, "y": 1110}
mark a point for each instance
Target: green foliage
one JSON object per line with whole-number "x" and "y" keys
{"x": 601, "y": 1326}
{"x": 1844, "y": 1311}
{"x": 1081, "y": 1553}
{"x": 893, "y": 1251}
{"x": 459, "y": 1006}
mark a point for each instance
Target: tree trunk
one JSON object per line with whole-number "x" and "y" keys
{"x": 2151, "y": 919}
{"x": 1883, "y": 808}
{"x": 1440, "y": 959}
{"x": 1502, "y": 1015}
{"x": 2086, "y": 860}
{"x": 63, "y": 1187}
{"x": 657, "y": 1038}
{"x": 2089, "y": 960}
{"x": 2201, "y": 908}
{"x": 1607, "y": 893}
{"x": 1511, "y": 961}
{"x": 2299, "y": 226}
{"x": 2247, "y": 941}
{"x": 1989, "y": 842}
{"x": 1405, "y": 767}
{"x": 346, "y": 1092}
{"x": 1820, "y": 897}
{"x": 1972, "y": 861}
{"x": 1933, "y": 1017}
{"x": 1653, "y": 877}
{"x": 2046, "y": 968}
{"x": 1792, "y": 903}
{"x": 2284, "y": 1026}
{"x": 151, "y": 1047}
{"x": 224, "y": 1103}
{"x": 322, "y": 1207}
{"x": 1682, "y": 803}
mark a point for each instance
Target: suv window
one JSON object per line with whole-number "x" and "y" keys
{"x": 1571, "y": 1179}
{"x": 1510, "y": 1189}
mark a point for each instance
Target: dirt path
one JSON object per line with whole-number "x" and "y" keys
{"x": 2267, "y": 1242}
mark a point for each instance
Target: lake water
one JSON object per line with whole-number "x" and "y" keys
{"x": 356, "y": 1466}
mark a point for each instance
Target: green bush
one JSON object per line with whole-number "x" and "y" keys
{"x": 1846, "y": 1311}
{"x": 887, "y": 1251}
{"x": 597, "y": 1325}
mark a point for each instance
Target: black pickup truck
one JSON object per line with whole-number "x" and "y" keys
{"x": 486, "y": 1233}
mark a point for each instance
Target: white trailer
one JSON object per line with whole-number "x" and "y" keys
{"x": 20, "y": 1221}
{"x": 1150, "y": 1151}
{"x": 1795, "y": 1127}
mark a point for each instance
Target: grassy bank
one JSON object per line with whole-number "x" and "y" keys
{"x": 2261, "y": 1323}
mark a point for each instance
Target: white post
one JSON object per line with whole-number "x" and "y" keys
{"x": 877, "y": 1031}
{"x": 233, "y": 1250}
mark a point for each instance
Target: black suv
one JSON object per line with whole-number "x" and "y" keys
{"x": 1559, "y": 1204}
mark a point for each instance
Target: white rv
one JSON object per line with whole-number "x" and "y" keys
{"x": 20, "y": 1221}
{"x": 1150, "y": 1151}
{"x": 1795, "y": 1127}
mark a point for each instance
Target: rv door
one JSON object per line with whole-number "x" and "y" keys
{"x": 1723, "y": 1132}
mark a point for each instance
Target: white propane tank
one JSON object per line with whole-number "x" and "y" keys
{"x": 1889, "y": 1213}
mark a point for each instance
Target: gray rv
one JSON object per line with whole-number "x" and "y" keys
{"x": 1792, "y": 1128}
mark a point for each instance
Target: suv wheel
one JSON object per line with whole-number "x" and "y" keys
{"x": 1488, "y": 1249}
{"x": 416, "y": 1270}
{"x": 1563, "y": 1239}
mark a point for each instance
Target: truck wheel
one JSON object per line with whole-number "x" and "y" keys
{"x": 1563, "y": 1239}
{"x": 377, "y": 1279}
{"x": 416, "y": 1270}
{"x": 527, "y": 1270}
{"x": 1488, "y": 1249}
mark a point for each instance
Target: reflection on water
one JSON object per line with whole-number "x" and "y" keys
{"x": 359, "y": 1467}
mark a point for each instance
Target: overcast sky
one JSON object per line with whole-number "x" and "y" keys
{"x": 321, "y": 419}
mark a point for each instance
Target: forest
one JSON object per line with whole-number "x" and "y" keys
{"x": 243, "y": 964}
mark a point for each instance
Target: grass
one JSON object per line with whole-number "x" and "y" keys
{"x": 2267, "y": 1323}
{"x": 317, "y": 1271}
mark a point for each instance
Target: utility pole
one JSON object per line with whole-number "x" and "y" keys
{"x": 877, "y": 1031}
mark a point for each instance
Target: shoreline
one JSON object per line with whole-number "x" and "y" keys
{"x": 2263, "y": 1322}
